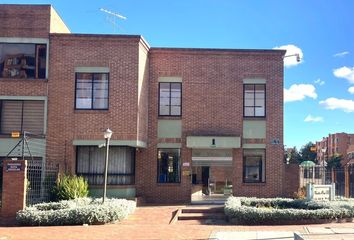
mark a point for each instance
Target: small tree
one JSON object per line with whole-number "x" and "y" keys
{"x": 334, "y": 161}
{"x": 307, "y": 154}
{"x": 294, "y": 156}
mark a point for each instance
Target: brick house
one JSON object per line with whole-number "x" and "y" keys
{"x": 187, "y": 123}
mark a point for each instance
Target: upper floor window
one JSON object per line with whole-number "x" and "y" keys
{"x": 19, "y": 115}
{"x": 170, "y": 99}
{"x": 254, "y": 100}
{"x": 23, "y": 60}
{"x": 91, "y": 91}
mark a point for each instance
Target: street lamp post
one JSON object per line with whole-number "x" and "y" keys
{"x": 107, "y": 135}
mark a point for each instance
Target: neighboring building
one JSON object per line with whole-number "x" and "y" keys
{"x": 185, "y": 121}
{"x": 334, "y": 144}
{"x": 350, "y": 155}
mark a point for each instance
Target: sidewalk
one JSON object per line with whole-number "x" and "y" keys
{"x": 150, "y": 223}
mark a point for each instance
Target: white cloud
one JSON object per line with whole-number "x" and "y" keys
{"x": 298, "y": 92}
{"x": 341, "y": 54}
{"x": 345, "y": 72}
{"x": 351, "y": 90}
{"x": 311, "y": 118}
{"x": 319, "y": 82}
{"x": 291, "y": 50}
{"x": 335, "y": 103}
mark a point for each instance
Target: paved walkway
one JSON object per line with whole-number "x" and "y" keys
{"x": 152, "y": 223}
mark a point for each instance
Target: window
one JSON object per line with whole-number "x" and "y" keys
{"x": 19, "y": 115}
{"x": 169, "y": 166}
{"x": 170, "y": 99}
{"x": 91, "y": 91}
{"x": 23, "y": 60}
{"x": 253, "y": 165}
{"x": 91, "y": 159}
{"x": 254, "y": 100}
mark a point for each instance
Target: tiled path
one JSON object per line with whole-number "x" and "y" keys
{"x": 145, "y": 223}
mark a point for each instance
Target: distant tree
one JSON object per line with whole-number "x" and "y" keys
{"x": 334, "y": 161}
{"x": 307, "y": 154}
{"x": 294, "y": 156}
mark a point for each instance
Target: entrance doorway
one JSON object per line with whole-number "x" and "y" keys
{"x": 211, "y": 184}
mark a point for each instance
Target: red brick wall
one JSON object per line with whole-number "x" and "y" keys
{"x": 212, "y": 91}
{"x": 32, "y": 21}
{"x": 23, "y": 87}
{"x": 221, "y": 174}
{"x": 13, "y": 192}
{"x": 291, "y": 180}
{"x": 65, "y": 123}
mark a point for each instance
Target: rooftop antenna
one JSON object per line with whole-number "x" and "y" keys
{"x": 112, "y": 17}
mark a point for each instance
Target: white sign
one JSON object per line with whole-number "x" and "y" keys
{"x": 186, "y": 164}
{"x": 320, "y": 192}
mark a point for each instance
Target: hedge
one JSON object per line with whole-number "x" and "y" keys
{"x": 285, "y": 211}
{"x": 76, "y": 212}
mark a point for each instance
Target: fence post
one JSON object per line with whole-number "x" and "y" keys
{"x": 14, "y": 189}
{"x": 333, "y": 175}
{"x": 346, "y": 182}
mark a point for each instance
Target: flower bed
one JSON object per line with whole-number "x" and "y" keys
{"x": 76, "y": 212}
{"x": 286, "y": 211}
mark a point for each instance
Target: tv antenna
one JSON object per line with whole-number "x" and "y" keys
{"x": 112, "y": 17}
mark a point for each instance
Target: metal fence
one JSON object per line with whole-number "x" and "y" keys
{"x": 41, "y": 179}
{"x": 322, "y": 175}
{"x": 1, "y": 166}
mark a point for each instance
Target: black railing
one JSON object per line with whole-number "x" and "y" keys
{"x": 322, "y": 175}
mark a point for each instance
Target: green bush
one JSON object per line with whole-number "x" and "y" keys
{"x": 283, "y": 211}
{"x": 76, "y": 212}
{"x": 70, "y": 187}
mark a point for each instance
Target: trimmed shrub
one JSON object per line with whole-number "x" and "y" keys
{"x": 70, "y": 187}
{"x": 285, "y": 211}
{"x": 76, "y": 212}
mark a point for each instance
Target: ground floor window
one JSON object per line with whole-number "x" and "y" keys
{"x": 169, "y": 166}
{"x": 253, "y": 165}
{"x": 90, "y": 164}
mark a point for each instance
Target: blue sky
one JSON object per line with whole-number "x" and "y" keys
{"x": 316, "y": 90}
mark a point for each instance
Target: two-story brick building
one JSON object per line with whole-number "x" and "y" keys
{"x": 187, "y": 123}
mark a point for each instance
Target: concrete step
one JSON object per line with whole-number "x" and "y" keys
{"x": 202, "y": 209}
{"x": 201, "y": 216}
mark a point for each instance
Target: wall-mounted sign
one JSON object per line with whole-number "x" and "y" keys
{"x": 186, "y": 164}
{"x": 15, "y": 134}
{"x": 320, "y": 192}
{"x": 13, "y": 167}
{"x": 186, "y": 173}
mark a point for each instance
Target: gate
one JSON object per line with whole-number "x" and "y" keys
{"x": 41, "y": 179}
{"x": 342, "y": 177}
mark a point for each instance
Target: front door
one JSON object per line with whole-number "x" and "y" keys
{"x": 205, "y": 180}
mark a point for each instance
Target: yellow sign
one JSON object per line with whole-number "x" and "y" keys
{"x": 186, "y": 173}
{"x": 313, "y": 149}
{"x": 15, "y": 134}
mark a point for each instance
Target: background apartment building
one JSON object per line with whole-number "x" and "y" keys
{"x": 187, "y": 123}
{"x": 335, "y": 144}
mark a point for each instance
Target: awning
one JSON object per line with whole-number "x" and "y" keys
{"x": 213, "y": 142}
